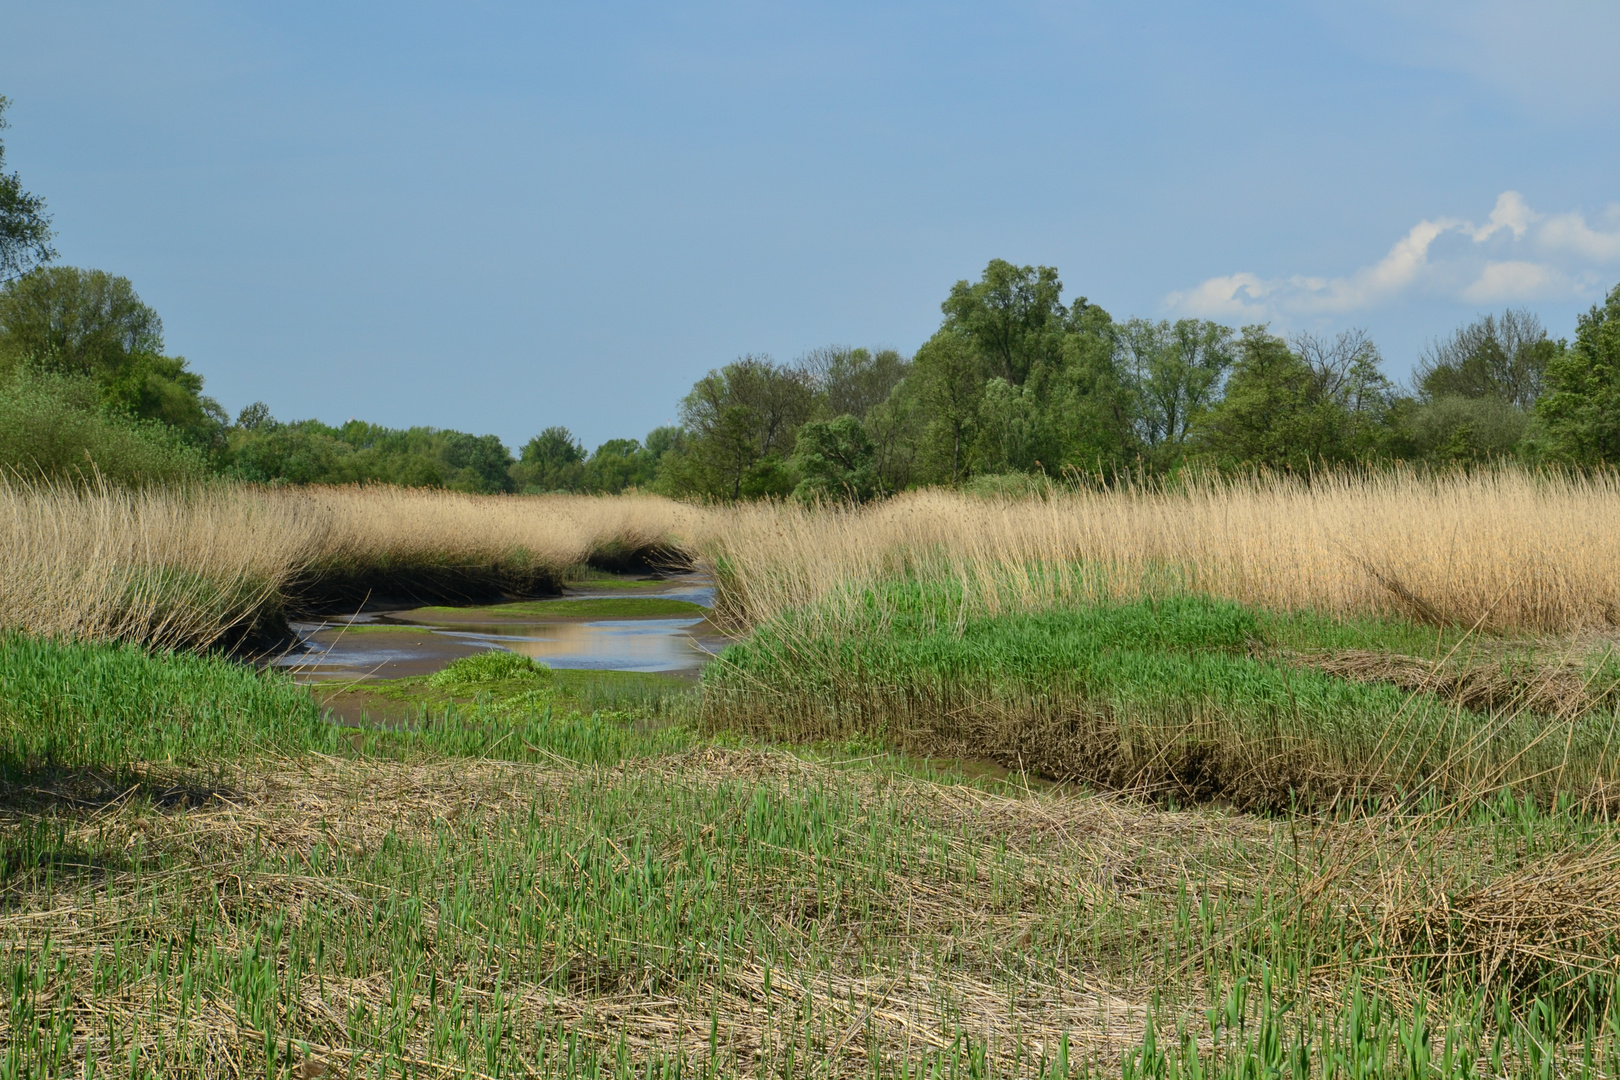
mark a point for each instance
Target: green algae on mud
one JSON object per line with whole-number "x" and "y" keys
{"x": 623, "y": 695}
{"x": 412, "y": 629}
{"x": 597, "y": 580}
{"x": 596, "y": 607}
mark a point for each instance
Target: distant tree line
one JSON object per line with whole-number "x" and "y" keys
{"x": 1014, "y": 384}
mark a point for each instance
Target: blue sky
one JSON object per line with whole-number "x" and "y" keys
{"x": 501, "y": 216}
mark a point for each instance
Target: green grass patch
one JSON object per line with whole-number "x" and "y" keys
{"x": 605, "y": 581}
{"x": 371, "y": 629}
{"x": 1185, "y": 695}
{"x": 496, "y": 667}
{"x": 625, "y": 696}
{"x": 597, "y": 607}
{"x": 65, "y": 705}
{"x": 111, "y": 708}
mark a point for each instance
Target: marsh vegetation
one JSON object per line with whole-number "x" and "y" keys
{"x": 1256, "y": 778}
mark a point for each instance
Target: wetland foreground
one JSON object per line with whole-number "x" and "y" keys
{"x": 938, "y": 807}
{"x": 558, "y": 873}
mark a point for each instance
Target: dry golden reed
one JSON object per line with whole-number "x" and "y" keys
{"x": 168, "y": 567}
{"x": 1506, "y": 550}
{"x": 372, "y": 525}
{"x": 189, "y": 567}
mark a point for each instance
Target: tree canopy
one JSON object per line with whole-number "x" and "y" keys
{"x": 1581, "y": 407}
{"x": 1015, "y": 384}
{"x": 25, "y": 227}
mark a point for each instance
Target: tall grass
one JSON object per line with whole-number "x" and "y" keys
{"x": 438, "y": 545}
{"x": 177, "y": 567}
{"x": 187, "y": 567}
{"x": 1508, "y": 550}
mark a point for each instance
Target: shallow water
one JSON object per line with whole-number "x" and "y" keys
{"x": 387, "y": 645}
{"x": 610, "y": 644}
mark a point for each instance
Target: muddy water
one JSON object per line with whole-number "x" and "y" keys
{"x": 394, "y": 644}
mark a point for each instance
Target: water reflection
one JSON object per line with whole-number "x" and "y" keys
{"x": 385, "y": 646}
{"x": 618, "y": 644}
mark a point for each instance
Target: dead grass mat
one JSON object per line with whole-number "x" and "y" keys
{"x": 1107, "y": 851}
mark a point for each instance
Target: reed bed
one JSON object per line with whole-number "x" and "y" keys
{"x": 438, "y": 546}
{"x": 219, "y": 564}
{"x": 176, "y": 567}
{"x": 1051, "y": 633}
{"x": 1507, "y": 550}
{"x": 1504, "y": 550}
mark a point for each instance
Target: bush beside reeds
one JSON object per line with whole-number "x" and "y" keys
{"x": 55, "y": 428}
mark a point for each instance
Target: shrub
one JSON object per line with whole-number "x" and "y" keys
{"x": 53, "y": 427}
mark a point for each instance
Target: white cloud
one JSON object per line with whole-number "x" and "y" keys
{"x": 1505, "y": 282}
{"x": 1512, "y": 213}
{"x": 1483, "y": 263}
{"x": 1571, "y": 233}
{"x": 1230, "y": 297}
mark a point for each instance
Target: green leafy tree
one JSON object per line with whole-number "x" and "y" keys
{"x": 260, "y": 448}
{"x": 1175, "y": 373}
{"x": 1580, "y": 407}
{"x": 476, "y": 463}
{"x": 1350, "y": 379}
{"x": 1013, "y": 316}
{"x": 307, "y": 452}
{"x": 620, "y": 464}
{"x": 663, "y": 440}
{"x": 1093, "y": 405}
{"x": 1014, "y": 323}
{"x": 1504, "y": 358}
{"x": 76, "y": 322}
{"x": 1460, "y": 429}
{"x": 949, "y": 384}
{"x": 854, "y": 381}
{"x": 91, "y": 324}
{"x": 162, "y": 388}
{"x": 1014, "y": 381}
{"x": 25, "y": 228}
{"x": 1012, "y": 432}
{"x": 1276, "y": 413}
{"x": 551, "y": 461}
{"x": 895, "y": 426}
{"x": 1476, "y": 391}
{"x": 836, "y": 460}
{"x": 740, "y": 423}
